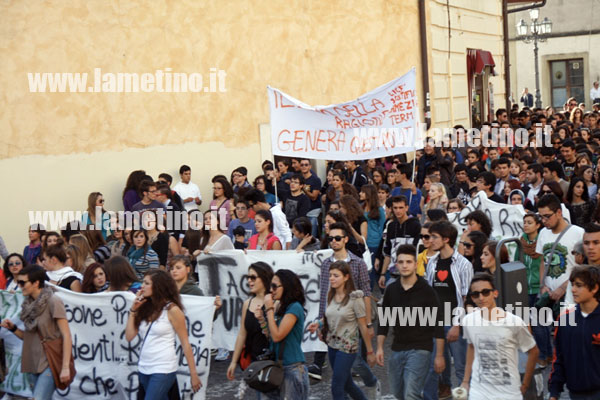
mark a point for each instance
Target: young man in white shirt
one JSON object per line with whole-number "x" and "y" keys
{"x": 495, "y": 337}
{"x": 188, "y": 191}
{"x": 560, "y": 262}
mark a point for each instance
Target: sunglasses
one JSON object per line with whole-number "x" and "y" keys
{"x": 543, "y": 192}
{"x": 252, "y": 278}
{"x": 10, "y": 264}
{"x": 426, "y": 237}
{"x": 101, "y": 201}
{"x": 484, "y": 292}
{"x": 274, "y": 287}
{"x": 21, "y": 283}
{"x": 337, "y": 238}
{"x": 467, "y": 245}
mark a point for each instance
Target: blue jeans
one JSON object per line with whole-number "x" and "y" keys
{"x": 458, "y": 350}
{"x": 541, "y": 334}
{"x": 157, "y": 386}
{"x": 295, "y": 384}
{"x": 42, "y": 385}
{"x": 362, "y": 368}
{"x": 313, "y": 216}
{"x": 407, "y": 371}
{"x": 341, "y": 380}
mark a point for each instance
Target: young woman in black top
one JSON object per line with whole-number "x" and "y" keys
{"x": 251, "y": 341}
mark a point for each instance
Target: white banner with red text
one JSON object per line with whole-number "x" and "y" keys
{"x": 382, "y": 122}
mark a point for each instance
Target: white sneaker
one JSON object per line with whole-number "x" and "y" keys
{"x": 373, "y": 392}
{"x": 222, "y": 355}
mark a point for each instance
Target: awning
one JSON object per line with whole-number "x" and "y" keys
{"x": 478, "y": 60}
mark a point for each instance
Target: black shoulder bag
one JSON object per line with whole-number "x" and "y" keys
{"x": 265, "y": 376}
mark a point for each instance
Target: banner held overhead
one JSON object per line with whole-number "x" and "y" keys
{"x": 380, "y": 123}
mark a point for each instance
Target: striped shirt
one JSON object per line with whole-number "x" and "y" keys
{"x": 360, "y": 275}
{"x": 144, "y": 263}
{"x": 462, "y": 273}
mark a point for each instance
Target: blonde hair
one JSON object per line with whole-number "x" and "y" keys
{"x": 82, "y": 243}
{"x": 443, "y": 199}
{"x": 77, "y": 258}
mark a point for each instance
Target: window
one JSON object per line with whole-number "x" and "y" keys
{"x": 567, "y": 81}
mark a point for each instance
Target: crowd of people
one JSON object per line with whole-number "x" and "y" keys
{"x": 387, "y": 224}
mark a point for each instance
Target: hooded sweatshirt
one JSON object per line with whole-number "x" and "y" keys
{"x": 190, "y": 287}
{"x": 577, "y": 354}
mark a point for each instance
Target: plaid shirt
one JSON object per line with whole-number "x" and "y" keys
{"x": 360, "y": 275}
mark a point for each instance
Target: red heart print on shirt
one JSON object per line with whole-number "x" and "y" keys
{"x": 442, "y": 275}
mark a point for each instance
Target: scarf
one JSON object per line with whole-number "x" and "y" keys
{"x": 63, "y": 273}
{"x": 31, "y": 309}
{"x": 135, "y": 254}
{"x": 529, "y": 247}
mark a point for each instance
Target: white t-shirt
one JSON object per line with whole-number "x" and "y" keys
{"x": 495, "y": 372}
{"x": 185, "y": 190}
{"x": 559, "y": 268}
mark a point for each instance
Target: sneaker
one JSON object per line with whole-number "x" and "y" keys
{"x": 373, "y": 392}
{"x": 314, "y": 372}
{"x": 222, "y": 355}
{"x": 213, "y": 352}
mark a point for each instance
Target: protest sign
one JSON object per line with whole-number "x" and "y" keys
{"x": 224, "y": 273}
{"x": 507, "y": 219}
{"x": 380, "y": 123}
{"x": 106, "y": 362}
{"x": 15, "y": 382}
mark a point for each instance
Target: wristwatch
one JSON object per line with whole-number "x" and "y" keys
{"x": 370, "y": 325}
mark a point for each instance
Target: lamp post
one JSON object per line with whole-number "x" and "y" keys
{"x": 539, "y": 30}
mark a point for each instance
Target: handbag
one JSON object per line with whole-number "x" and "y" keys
{"x": 265, "y": 376}
{"x": 366, "y": 256}
{"x": 245, "y": 359}
{"x": 54, "y": 354}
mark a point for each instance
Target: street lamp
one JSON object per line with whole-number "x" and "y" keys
{"x": 539, "y": 31}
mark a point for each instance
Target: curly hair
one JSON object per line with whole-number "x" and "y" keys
{"x": 164, "y": 291}
{"x": 482, "y": 219}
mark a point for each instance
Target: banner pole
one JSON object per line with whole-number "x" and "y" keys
{"x": 275, "y": 173}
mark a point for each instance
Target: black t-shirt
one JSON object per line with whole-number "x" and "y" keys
{"x": 296, "y": 206}
{"x": 314, "y": 183}
{"x": 443, "y": 283}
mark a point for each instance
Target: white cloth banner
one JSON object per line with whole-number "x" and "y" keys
{"x": 224, "y": 273}
{"x": 106, "y": 362}
{"x": 380, "y": 123}
{"x": 507, "y": 219}
{"x": 15, "y": 382}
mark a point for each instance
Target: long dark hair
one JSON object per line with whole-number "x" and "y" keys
{"x": 371, "y": 201}
{"x": 227, "y": 189}
{"x": 164, "y": 291}
{"x": 7, "y": 273}
{"x": 352, "y": 206}
{"x": 585, "y": 196}
{"x": 119, "y": 273}
{"x": 133, "y": 181}
{"x": 292, "y": 290}
{"x": 264, "y": 273}
{"x": 87, "y": 284}
{"x": 479, "y": 240}
{"x": 267, "y": 216}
